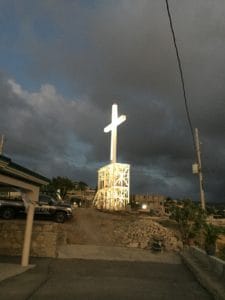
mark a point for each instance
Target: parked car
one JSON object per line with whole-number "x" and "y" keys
{"x": 46, "y": 207}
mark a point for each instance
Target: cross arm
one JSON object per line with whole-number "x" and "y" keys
{"x": 114, "y": 124}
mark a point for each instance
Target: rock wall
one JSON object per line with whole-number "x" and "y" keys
{"x": 45, "y": 237}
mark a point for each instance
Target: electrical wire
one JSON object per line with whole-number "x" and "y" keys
{"x": 181, "y": 74}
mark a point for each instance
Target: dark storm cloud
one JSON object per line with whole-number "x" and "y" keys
{"x": 42, "y": 129}
{"x": 122, "y": 51}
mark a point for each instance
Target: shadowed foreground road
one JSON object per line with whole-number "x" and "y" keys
{"x": 94, "y": 279}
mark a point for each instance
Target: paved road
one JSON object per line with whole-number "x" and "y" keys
{"x": 94, "y": 279}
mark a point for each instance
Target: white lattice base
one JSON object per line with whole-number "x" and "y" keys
{"x": 113, "y": 187}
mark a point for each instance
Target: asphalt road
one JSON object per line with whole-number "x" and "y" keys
{"x": 94, "y": 279}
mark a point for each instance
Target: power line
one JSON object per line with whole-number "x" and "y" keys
{"x": 181, "y": 74}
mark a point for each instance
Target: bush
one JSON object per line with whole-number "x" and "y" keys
{"x": 211, "y": 233}
{"x": 190, "y": 218}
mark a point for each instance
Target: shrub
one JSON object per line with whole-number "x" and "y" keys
{"x": 190, "y": 218}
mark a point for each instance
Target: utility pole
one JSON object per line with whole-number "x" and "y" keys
{"x": 197, "y": 169}
{"x": 1, "y": 144}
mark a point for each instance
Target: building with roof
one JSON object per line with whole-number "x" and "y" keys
{"x": 16, "y": 176}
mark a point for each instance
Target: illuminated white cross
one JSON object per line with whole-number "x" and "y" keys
{"x": 116, "y": 121}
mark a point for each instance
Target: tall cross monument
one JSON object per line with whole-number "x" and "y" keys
{"x": 116, "y": 121}
{"x": 114, "y": 178}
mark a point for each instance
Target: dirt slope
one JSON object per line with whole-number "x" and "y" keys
{"x": 95, "y": 228}
{"x": 92, "y": 227}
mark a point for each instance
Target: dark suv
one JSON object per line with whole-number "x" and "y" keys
{"x": 46, "y": 207}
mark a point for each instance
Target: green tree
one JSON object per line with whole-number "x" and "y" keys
{"x": 63, "y": 184}
{"x": 190, "y": 217}
{"x": 81, "y": 186}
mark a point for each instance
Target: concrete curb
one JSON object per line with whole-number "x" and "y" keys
{"x": 116, "y": 254}
{"x": 204, "y": 276}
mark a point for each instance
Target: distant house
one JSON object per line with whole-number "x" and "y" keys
{"x": 86, "y": 196}
{"x": 151, "y": 203}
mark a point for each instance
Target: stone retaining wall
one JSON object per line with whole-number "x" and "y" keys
{"x": 45, "y": 238}
{"x": 212, "y": 263}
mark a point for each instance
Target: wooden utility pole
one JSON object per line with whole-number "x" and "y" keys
{"x": 1, "y": 144}
{"x": 199, "y": 169}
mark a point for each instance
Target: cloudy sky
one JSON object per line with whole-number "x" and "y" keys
{"x": 64, "y": 63}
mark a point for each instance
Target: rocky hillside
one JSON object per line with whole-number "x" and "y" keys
{"x": 117, "y": 229}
